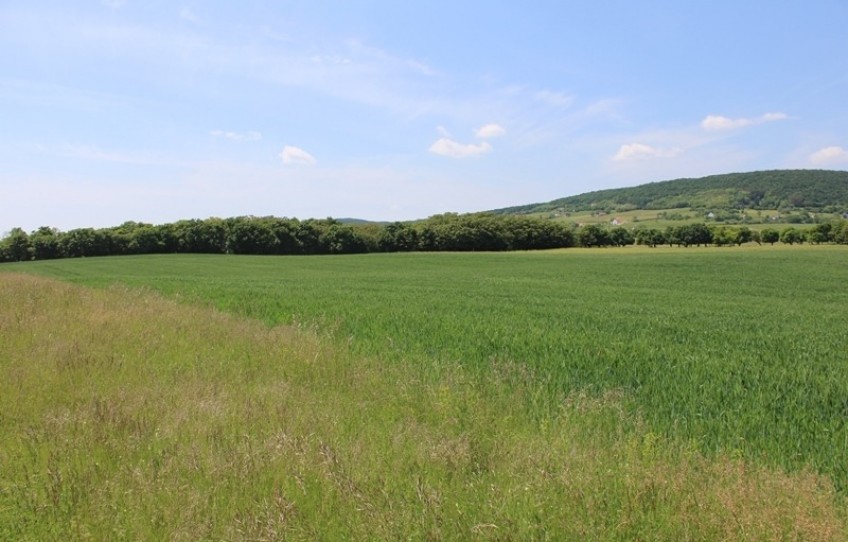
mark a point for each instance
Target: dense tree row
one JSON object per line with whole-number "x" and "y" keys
{"x": 271, "y": 235}
{"x": 452, "y": 232}
{"x": 700, "y": 234}
{"x": 447, "y": 232}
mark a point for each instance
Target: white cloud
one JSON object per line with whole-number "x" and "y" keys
{"x": 295, "y": 155}
{"x": 113, "y": 4}
{"x": 769, "y": 117}
{"x": 718, "y": 122}
{"x": 636, "y": 151}
{"x": 443, "y": 131}
{"x": 449, "y": 147}
{"x": 236, "y": 136}
{"x": 829, "y": 155}
{"x": 489, "y": 131}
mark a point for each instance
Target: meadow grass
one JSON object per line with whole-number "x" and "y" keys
{"x": 739, "y": 350}
{"x": 125, "y": 415}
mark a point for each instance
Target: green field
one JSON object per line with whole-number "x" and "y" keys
{"x": 736, "y": 354}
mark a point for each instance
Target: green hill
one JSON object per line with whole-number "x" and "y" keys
{"x": 815, "y": 190}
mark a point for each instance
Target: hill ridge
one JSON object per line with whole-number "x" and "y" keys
{"x": 813, "y": 189}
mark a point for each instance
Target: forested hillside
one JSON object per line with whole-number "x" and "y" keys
{"x": 816, "y": 190}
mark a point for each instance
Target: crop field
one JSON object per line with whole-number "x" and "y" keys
{"x": 704, "y": 368}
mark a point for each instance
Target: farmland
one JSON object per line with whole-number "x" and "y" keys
{"x": 756, "y": 220}
{"x": 733, "y": 355}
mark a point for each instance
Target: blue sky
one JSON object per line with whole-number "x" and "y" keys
{"x": 155, "y": 111}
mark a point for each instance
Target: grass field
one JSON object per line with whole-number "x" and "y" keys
{"x": 705, "y": 370}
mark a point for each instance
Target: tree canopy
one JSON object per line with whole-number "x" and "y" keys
{"x": 273, "y": 235}
{"x": 445, "y": 232}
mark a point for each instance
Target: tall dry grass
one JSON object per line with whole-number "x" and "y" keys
{"x": 125, "y": 416}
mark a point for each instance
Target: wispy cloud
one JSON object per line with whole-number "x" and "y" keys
{"x": 296, "y": 156}
{"x": 638, "y": 151}
{"x": 187, "y": 14}
{"x": 453, "y": 149}
{"x": 97, "y": 154}
{"x": 489, "y": 131}
{"x": 92, "y": 152}
{"x": 830, "y": 155}
{"x": 718, "y": 122}
{"x": 350, "y": 70}
{"x": 556, "y": 99}
{"x": 444, "y": 132}
{"x": 237, "y": 136}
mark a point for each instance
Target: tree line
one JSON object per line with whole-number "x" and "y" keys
{"x": 445, "y": 232}
{"x": 273, "y": 235}
{"x": 703, "y": 235}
